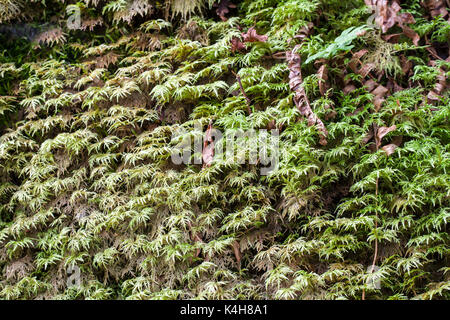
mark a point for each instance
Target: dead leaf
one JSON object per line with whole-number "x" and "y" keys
{"x": 237, "y": 45}
{"x": 441, "y": 85}
{"x": 390, "y": 148}
{"x": 252, "y": 36}
{"x": 378, "y": 102}
{"x": 223, "y": 7}
{"x": 367, "y": 138}
{"x": 370, "y": 84}
{"x": 382, "y": 132}
{"x": 406, "y": 64}
{"x": 391, "y": 37}
{"x": 436, "y": 8}
{"x": 359, "y": 54}
{"x": 323, "y": 78}
{"x": 237, "y": 252}
{"x": 433, "y": 96}
{"x": 331, "y": 115}
{"x": 208, "y": 147}
{"x": 348, "y": 88}
{"x": 304, "y": 32}
{"x": 380, "y": 91}
{"x": 410, "y": 33}
{"x": 358, "y": 110}
{"x": 365, "y": 69}
{"x": 271, "y": 125}
{"x": 388, "y": 15}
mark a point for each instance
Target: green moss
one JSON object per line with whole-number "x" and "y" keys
{"x": 86, "y": 176}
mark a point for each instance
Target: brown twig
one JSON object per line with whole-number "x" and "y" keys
{"x": 249, "y": 102}
{"x": 300, "y": 97}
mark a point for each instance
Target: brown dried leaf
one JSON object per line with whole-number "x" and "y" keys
{"x": 442, "y": 84}
{"x": 406, "y": 64}
{"x": 358, "y": 110}
{"x": 439, "y": 87}
{"x": 390, "y": 148}
{"x": 367, "y": 138}
{"x": 388, "y": 16}
{"x": 237, "y": 45}
{"x": 436, "y": 7}
{"x": 323, "y": 78}
{"x": 304, "y": 31}
{"x": 271, "y": 125}
{"x": 382, "y": 132}
{"x": 355, "y": 61}
{"x": 359, "y": 54}
{"x": 348, "y": 88}
{"x": 237, "y": 252}
{"x": 378, "y": 102}
{"x": 380, "y": 91}
{"x": 223, "y": 7}
{"x": 433, "y": 96}
{"x": 331, "y": 115}
{"x": 370, "y": 84}
{"x": 208, "y": 147}
{"x": 379, "y": 94}
{"x": 410, "y": 33}
{"x": 252, "y": 36}
{"x": 365, "y": 69}
{"x": 391, "y": 37}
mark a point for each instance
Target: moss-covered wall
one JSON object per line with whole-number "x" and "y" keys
{"x": 92, "y": 205}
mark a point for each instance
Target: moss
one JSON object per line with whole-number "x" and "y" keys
{"x": 93, "y": 207}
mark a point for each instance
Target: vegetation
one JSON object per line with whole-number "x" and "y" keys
{"x": 92, "y": 91}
